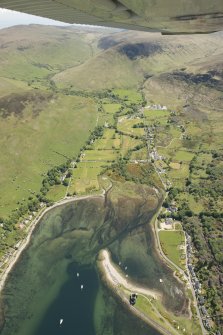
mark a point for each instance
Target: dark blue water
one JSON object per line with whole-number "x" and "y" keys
{"x": 44, "y": 287}
{"x": 73, "y": 304}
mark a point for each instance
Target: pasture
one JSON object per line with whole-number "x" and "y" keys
{"x": 184, "y": 156}
{"x": 36, "y": 140}
{"x": 85, "y": 178}
{"x": 99, "y": 155}
{"x": 125, "y": 125}
{"x": 171, "y": 242}
{"x": 129, "y": 96}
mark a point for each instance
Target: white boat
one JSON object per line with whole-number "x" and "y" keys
{"x": 82, "y": 286}
{"x": 78, "y": 274}
{"x": 61, "y": 321}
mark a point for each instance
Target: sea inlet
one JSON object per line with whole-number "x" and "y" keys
{"x": 54, "y": 288}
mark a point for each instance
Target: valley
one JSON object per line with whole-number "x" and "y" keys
{"x": 118, "y": 120}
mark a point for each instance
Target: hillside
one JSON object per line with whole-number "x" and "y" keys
{"x": 126, "y": 59}
{"x": 36, "y": 52}
{"x": 40, "y": 127}
{"x": 75, "y": 105}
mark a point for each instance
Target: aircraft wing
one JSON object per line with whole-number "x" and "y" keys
{"x": 166, "y": 16}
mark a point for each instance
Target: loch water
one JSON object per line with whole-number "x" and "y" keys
{"x": 43, "y": 287}
{"x": 74, "y": 305}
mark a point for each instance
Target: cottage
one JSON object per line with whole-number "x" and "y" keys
{"x": 197, "y": 285}
{"x": 201, "y": 300}
{"x": 204, "y": 311}
{"x": 169, "y": 221}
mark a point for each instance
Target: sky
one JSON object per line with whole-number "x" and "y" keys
{"x": 10, "y": 18}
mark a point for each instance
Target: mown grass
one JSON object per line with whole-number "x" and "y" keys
{"x": 170, "y": 242}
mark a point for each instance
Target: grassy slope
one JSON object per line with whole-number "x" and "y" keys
{"x": 29, "y": 56}
{"x": 113, "y": 67}
{"x": 28, "y": 53}
{"x": 107, "y": 70}
{"x": 29, "y": 144}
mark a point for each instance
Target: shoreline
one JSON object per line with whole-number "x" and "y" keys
{"x": 24, "y": 243}
{"x": 116, "y": 278}
{"x": 110, "y": 277}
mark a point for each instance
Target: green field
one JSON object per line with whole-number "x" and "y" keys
{"x": 35, "y": 141}
{"x": 56, "y": 192}
{"x": 141, "y": 154}
{"x": 129, "y": 96}
{"x": 195, "y": 205}
{"x": 110, "y": 140}
{"x": 184, "y": 156}
{"x": 126, "y": 126}
{"x": 170, "y": 242}
{"x": 85, "y": 178}
{"x": 128, "y": 143}
{"x": 156, "y": 114}
{"x": 111, "y": 108}
{"x": 99, "y": 155}
{"x": 181, "y": 173}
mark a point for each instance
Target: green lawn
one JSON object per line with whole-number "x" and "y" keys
{"x": 170, "y": 242}
{"x": 184, "y": 156}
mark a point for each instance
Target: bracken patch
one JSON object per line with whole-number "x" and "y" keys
{"x": 16, "y": 103}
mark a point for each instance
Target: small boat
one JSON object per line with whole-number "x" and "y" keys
{"x": 61, "y": 321}
{"x": 126, "y": 267}
{"x": 82, "y": 286}
{"x": 78, "y": 274}
{"x": 119, "y": 263}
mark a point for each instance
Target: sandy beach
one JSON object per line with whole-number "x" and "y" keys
{"x": 24, "y": 243}
{"x": 116, "y": 278}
